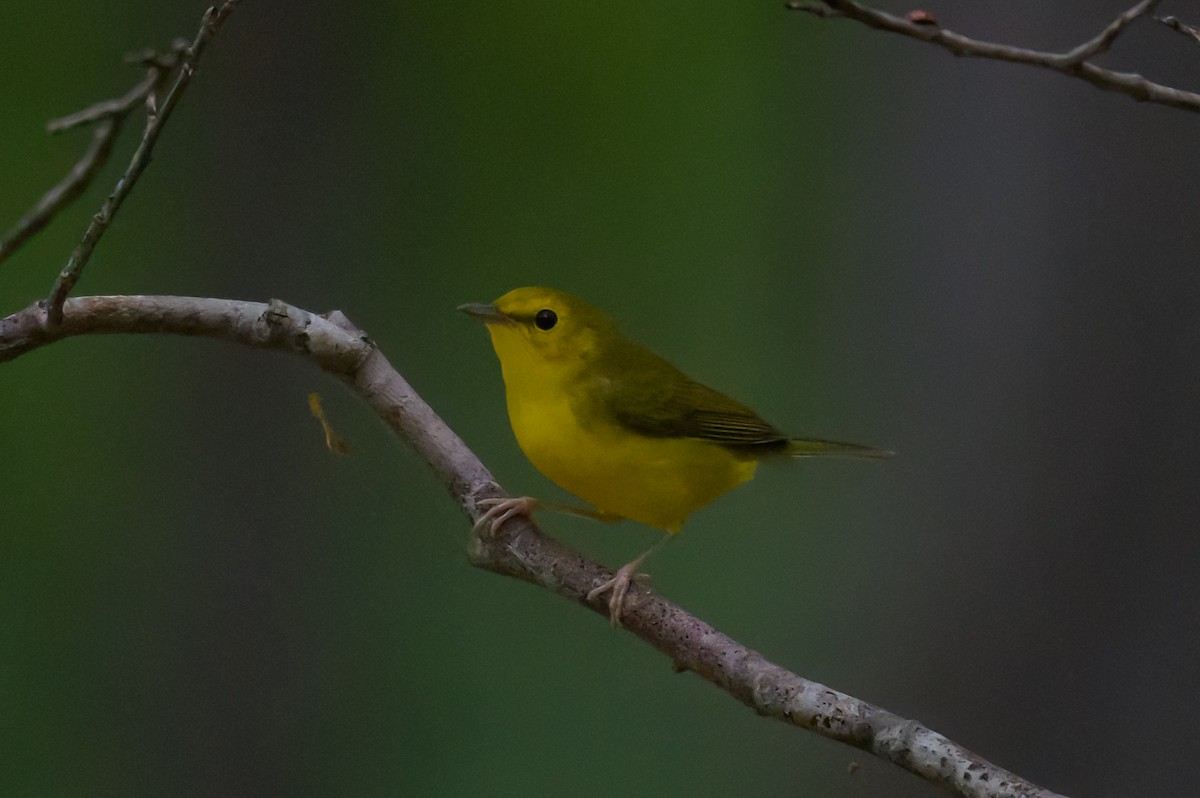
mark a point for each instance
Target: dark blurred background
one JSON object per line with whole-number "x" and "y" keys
{"x": 988, "y": 268}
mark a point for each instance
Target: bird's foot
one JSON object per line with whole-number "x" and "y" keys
{"x": 618, "y": 587}
{"x": 500, "y": 510}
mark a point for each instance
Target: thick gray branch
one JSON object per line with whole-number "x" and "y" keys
{"x": 520, "y": 549}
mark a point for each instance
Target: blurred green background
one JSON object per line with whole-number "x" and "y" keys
{"x": 989, "y": 269}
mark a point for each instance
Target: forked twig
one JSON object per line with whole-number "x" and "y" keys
{"x": 1075, "y": 62}
{"x": 156, "y": 116}
{"x": 108, "y": 116}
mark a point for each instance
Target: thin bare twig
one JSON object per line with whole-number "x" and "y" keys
{"x": 156, "y": 116}
{"x": 1174, "y": 24}
{"x": 118, "y": 107}
{"x": 1074, "y": 62}
{"x": 520, "y": 549}
{"x": 108, "y": 116}
{"x": 66, "y": 190}
{"x": 1103, "y": 40}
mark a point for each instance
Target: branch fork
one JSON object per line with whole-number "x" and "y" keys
{"x": 1076, "y": 62}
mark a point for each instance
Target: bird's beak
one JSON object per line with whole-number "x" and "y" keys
{"x": 488, "y": 314}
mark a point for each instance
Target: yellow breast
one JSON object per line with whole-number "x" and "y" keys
{"x": 657, "y": 481}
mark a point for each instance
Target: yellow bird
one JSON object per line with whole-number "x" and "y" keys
{"x": 618, "y": 426}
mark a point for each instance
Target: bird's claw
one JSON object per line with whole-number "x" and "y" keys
{"x": 500, "y": 510}
{"x": 618, "y": 586}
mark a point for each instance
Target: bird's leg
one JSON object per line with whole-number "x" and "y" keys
{"x": 500, "y": 510}
{"x": 618, "y": 586}
{"x": 582, "y": 512}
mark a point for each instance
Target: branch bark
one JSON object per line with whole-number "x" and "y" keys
{"x": 520, "y": 550}
{"x": 1075, "y": 63}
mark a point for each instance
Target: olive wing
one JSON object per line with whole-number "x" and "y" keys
{"x": 654, "y": 398}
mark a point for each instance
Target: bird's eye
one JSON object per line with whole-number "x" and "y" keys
{"x": 545, "y": 319}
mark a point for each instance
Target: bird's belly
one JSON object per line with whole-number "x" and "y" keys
{"x": 655, "y": 481}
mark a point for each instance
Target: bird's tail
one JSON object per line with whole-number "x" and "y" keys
{"x": 799, "y": 447}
